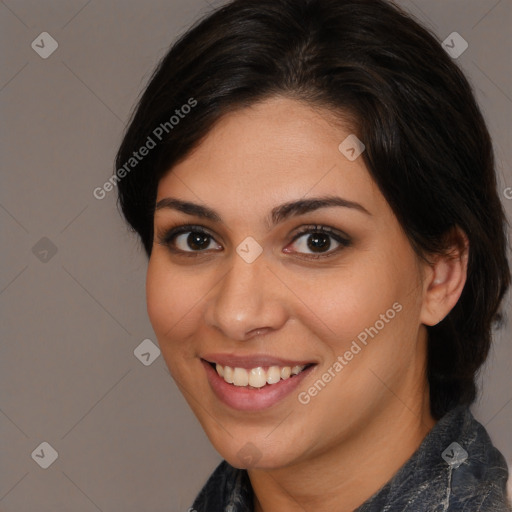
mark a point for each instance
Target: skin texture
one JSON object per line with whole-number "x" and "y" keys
{"x": 349, "y": 440}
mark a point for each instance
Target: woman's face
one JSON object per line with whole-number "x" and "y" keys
{"x": 266, "y": 285}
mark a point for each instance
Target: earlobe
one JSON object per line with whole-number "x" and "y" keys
{"x": 445, "y": 280}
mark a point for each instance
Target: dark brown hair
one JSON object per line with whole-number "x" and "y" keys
{"x": 427, "y": 145}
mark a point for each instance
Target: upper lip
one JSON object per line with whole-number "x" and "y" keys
{"x": 251, "y": 361}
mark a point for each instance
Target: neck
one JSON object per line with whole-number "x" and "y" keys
{"x": 345, "y": 475}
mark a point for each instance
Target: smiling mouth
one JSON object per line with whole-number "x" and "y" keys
{"x": 258, "y": 377}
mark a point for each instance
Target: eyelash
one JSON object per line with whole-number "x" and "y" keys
{"x": 168, "y": 236}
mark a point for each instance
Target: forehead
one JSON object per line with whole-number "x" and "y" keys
{"x": 275, "y": 151}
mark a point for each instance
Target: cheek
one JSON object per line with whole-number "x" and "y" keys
{"x": 371, "y": 311}
{"x": 362, "y": 296}
{"x": 173, "y": 305}
{"x": 343, "y": 302}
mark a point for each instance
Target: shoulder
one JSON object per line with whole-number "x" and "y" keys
{"x": 479, "y": 483}
{"x": 488, "y": 498}
{"x": 455, "y": 469}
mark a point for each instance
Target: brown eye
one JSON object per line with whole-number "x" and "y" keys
{"x": 188, "y": 239}
{"x": 319, "y": 240}
{"x": 195, "y": 241}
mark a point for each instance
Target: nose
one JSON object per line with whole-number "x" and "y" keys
{"x": 248, "y": 301}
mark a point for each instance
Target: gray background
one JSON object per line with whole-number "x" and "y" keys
{"x": 71, "y": 319}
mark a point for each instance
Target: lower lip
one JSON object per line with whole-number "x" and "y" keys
{"x": 252, "y": 399}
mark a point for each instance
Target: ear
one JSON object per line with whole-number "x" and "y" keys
{"x": 444, "y": 278}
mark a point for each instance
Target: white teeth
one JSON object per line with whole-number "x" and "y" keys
{"x": 273, "y": 375}
{"x": 228, "y": 374}
{"x": 297, "y": 369}
{"x": 240, "y": 377}
{"x": 256, "y": 377}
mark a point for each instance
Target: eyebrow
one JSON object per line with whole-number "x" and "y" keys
{"x": 277, "y": 215}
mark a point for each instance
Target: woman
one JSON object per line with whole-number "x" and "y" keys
{"x": 314, "y": 186}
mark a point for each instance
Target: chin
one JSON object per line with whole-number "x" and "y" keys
{"x": 250, "y": 454}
